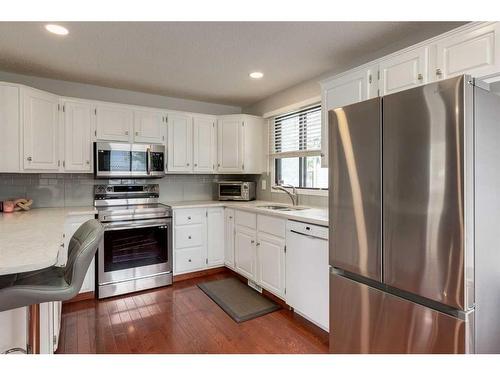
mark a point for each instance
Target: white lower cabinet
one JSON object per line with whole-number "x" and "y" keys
{"x": 14, "y": 328}
{"x": 245, "y": 252}
{"x": 271, "y": 263}
{"x": 215, "y": 236}
{"x": 229, "y": 237}
{"x": 259, "y": 250}
{"x": 198, "y": 239}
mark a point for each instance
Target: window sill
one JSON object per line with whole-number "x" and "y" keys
{"x": 319, "y": 193}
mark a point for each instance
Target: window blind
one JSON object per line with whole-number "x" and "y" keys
{"x": 297, "y": 133}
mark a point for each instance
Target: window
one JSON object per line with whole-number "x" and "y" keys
{"x": 296, "y": 149}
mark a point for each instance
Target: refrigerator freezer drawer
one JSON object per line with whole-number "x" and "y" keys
{"x": 366, "y": 320}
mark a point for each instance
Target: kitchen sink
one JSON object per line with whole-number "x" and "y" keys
{"x": 282, "y": 208}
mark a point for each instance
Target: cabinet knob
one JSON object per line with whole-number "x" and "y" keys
{"x": 126, "y": 132}
{"x": 189, "y": 237}
{"x": 136, "y": 133}
{"x": 189, "y": 217}
{"x": 189, "y": 260}
{"x": 258, "y": 243}
{"x": 439, "y": 72}
{"x": 187, "y": 164}
{"x": 230, "y": 217}
{"x": 252, "y": 241}
{"x": 420, "y": 77}
{"x": 29, "y": 158}
{"x": 87, "y": 162}
{"x": 195, "y": 164}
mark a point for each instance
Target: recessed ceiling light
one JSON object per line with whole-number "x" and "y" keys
{"x": 256, "y": 75}
{"x": 57, "y": 29}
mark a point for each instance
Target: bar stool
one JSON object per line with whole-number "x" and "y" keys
{"x": 52, "y": 283}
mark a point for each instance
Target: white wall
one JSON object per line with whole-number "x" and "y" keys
{"x": 93, "y": 92}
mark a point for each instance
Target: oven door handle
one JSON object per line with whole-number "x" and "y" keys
{"x": 136, "y": 224}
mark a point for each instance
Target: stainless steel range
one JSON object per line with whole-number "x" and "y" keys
{"x": 136, "y": 250}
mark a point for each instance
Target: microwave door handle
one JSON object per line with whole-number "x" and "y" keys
{"x": 148, "y": 161}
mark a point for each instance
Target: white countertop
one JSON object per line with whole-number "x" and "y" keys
{"x": 312, "y": 215}
{"x": 32, "y": 240}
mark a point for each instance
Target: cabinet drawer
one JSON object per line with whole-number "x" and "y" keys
{"x": 272, "y": 225}
{"x": 189, "y": 216}
{"x": 189, "y": 259}
{"x": 189, "y": 236}
{"x": 246, "y": 219}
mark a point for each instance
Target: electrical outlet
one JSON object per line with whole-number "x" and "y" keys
{"x": 264, "y": 184}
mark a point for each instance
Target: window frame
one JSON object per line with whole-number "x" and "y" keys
{"x": 301, "y": 154}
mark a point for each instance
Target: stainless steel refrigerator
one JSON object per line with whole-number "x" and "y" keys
{"x": 415, "y": 221}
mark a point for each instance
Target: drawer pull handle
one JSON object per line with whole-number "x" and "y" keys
{"x": 308, "y": 228}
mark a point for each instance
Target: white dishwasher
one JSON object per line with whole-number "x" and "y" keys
{"x": 307, "y": 271}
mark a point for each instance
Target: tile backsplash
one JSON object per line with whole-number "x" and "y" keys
{"x": 77, "y": 189}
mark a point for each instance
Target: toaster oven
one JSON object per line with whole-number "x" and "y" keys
{"x": 235, "y": 190}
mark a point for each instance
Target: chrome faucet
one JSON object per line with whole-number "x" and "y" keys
{"x": 293, "y": 195}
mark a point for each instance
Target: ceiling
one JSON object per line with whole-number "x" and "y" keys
{"x": 207, "y": 61}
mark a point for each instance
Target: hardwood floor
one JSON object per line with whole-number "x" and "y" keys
{"x": 180, "y": 319}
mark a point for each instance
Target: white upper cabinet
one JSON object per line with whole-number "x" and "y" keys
{"x": 230, "y": 144}
{"x": 114, "y": 122}
{"x": 10, "y": 126}
{"x": 475, "y": 52}
{"x": 215, "y": 236}
{"x": 350, "y": 88}
{"x": 204, "y": 150}
{"x": 241, "y": 144}
{"x": 78, "y": 122}
{"x": 40, "y": 130}
{"x": 404, "y": 71}
{"x": 180, "y": 143}
{"x": 148, "y": 126}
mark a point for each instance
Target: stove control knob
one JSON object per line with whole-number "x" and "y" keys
{"x": 109, "y": 189}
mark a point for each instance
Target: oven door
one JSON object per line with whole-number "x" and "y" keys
{"x": 136, "y": 249}
{"x": 228, "y": 191}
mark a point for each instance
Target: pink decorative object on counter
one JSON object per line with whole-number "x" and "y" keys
{"x": 8, "y": 206}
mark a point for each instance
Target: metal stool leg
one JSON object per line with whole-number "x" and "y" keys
{"x": 34, "y": 329}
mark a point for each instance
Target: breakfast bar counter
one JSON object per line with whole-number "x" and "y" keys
{"x": 31, "y": 240}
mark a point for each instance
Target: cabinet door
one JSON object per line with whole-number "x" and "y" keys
{"x": 245, "y": 252}
{"x": 148, "y": 126}
{"x": 180, "y": 143}
{"x": 475, "y": 52}
{"x": 203, "y": 144}
{"x": 215, "y": 231}
{"x": 10, "y": 123}
{"x": 40, "y": 126}
{"x": 229, "y": 237}
{"x": 78, "y": 118}
{"x": 404, "y": 71}
{"x": 114, "y": 123}
{"x": 230, "y": 145}
{"x": 13, "y": 325}
{"x": 351, "y": 88}
{"x": 271, "y": 263}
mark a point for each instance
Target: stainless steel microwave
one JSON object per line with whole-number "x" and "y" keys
{"x": 125, "y": 160}
{"x": 235, "y": 191}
